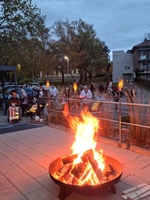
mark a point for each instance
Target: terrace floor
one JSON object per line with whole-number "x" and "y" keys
{"x": 25, "y": 157}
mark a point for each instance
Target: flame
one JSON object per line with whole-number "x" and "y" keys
{"x": 75, "y": 86}
{"x": 47, "y": 83}
{"x": 120, "y": 84}
{"x": 85, "y": 128}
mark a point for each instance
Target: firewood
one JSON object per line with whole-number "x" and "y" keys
{"x": 95, "y": 167}
{"x": 78, "y": 170}
{"x": 69, "y": 159}
{"x": 67, "y": 174}
{"x": 63, "y": 170}
{"x": 75, "y": 181}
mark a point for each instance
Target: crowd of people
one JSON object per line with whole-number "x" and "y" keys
{"x": 93, "y": 92}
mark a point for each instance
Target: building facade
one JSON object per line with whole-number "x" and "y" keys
{"x": 126, "y": 64}
{"x": 141, "y": 58}
{"x": 122, "y": 66}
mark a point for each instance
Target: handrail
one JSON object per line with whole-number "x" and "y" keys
{"x": 118, "y": 114}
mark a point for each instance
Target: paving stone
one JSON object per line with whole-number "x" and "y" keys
{"x": 41, "y": 194}
{"x": 133, "y": 180}
{"x": 34, "y": 169}
{"x": 4, "y": 183}
{"x": 18, "y": 158}
{"x": 12, "y": 194}
{"x": 48, "y": 183}
{"x": 25, "y": 183}
{"x": 8, "y": 168}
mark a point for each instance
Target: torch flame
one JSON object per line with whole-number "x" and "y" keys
{"x": 120, "y": 84}
{"x": 47, "y": 83}
{"x": 75, "y": 86}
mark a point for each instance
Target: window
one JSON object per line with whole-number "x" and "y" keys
{"x": 127, "y": 67}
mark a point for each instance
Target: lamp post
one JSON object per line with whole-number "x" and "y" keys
{"x": 66, "y": 58}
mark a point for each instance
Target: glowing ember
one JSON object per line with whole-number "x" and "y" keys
{"x": 120, "y": 84}
{"x": 75, "y": 86}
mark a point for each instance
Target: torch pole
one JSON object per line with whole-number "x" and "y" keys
{"x": 119, "y": 120}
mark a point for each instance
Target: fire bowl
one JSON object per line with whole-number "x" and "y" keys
{"x": 90, "y": 190}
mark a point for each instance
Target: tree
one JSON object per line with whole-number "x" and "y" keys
{"x": 24, "y": 36}
{"x": 78, "y": 41}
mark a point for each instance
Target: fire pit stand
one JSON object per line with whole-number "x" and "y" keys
{"x": 64, "y": 192}
{"x": 88, "y": 190}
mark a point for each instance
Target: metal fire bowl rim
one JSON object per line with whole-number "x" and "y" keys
{"x": 116, "y": 164}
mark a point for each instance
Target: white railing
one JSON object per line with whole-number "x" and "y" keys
{"x": 106, "y": 113}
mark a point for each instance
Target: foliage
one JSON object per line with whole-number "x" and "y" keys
{"x": 77, "y": 40}
{"x": 25, "y": 40}
{"x": 23, "y": 34}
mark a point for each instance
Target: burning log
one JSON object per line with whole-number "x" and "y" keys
{"x": 89, "y": 157}
{"x": 85, "y": 172}
{"x": 78, "y": 170}
{"x": 69, "y": 159}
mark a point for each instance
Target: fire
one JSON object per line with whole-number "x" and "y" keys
{"x": 86, "y": 127}
{"x": 75, "y": 86}
{"x": 85, "y": 132}
{"x": 120, "y": 84}
{"x": 47, "y": 83}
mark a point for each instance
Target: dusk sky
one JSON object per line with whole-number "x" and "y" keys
{"x": 121, "y": 24}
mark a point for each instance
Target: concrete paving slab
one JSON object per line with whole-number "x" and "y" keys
{"x": 4, "y": 183}
{"x": 12, "y": 194}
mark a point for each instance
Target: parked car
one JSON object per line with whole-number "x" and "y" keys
{"x": 30, "y": 92}
{"x": 33, "y": 85}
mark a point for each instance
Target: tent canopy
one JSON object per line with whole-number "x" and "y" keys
{"x": 4, "y": 68}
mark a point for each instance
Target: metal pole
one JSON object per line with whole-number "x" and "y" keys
{"x": 68, "y": 70}
{"x": 120, "y": 135}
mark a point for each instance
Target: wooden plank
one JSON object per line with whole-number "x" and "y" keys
{"x": 125, "y": 197}
{"x": 138, "y": 192}
{"x": 143, "y": 195}
{"x": 134, "y": 188}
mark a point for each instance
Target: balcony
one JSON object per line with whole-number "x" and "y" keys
{"x": 143, "y": 67}
{"x": 143, "y": 57}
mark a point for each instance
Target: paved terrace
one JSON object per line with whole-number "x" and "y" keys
{"x": 25, "y": 157}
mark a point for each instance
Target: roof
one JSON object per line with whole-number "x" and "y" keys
{"x": 144, "y": 44}
{"x": 4, "y": 68}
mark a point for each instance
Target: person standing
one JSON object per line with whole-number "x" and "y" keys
{"x": 93, "y": 89}
{"x": 86, "y": 94}
{"x": 53, "y": 91}
{"x": 23, "y": 94}
{"x": 101, "y": 88}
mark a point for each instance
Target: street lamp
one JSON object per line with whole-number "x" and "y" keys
{"x": 66, "y": 58}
